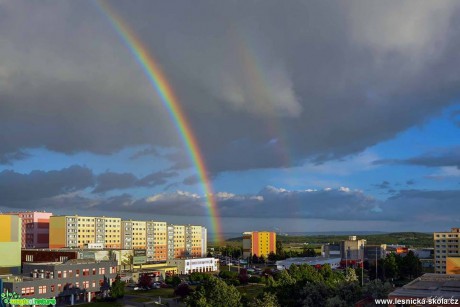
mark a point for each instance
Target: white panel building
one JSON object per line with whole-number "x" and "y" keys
{"x": 188, "y": 266}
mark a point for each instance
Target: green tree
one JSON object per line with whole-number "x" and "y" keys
{"x": 118, "y": 288}
{"x": 267, "y": 300}
{"x": 182, "y": 290}
{"x": 391, "y": 266}
{"x": 350, "y": 275}
{"x": 336, "y": 301}
{"x": 255, "y": 259}
{"x": 272, "y": 257}
{"x": 280, "y": 250}
{"x": 214, "y": 292}
{"x": 377, "y": 289}
{"x": 411, "y": 267}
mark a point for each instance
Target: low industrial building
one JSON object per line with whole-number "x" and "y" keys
{"x": 429, "y": 285}
{"x": 373, "y": 252}
{"x": 313, "y": 261}
{"x": 69, "y": 282}
{"x": 330, "y": 250}
{"x": 124, "y": 258}
{"x": 191, "y": 265}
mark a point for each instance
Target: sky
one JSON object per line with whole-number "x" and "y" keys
{"x": 309, "y": 115}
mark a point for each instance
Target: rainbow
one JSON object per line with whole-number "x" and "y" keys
{"x": 160, "y": 83}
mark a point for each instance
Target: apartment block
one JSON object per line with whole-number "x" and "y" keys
{"x": 259, "y": 243}
{"x": 446, "y": 251}
{"x": 157, "y": 241}
{"x": 35, "y": 228}
{"x": 79, "y": 231}
{"x": 10, "y": 244}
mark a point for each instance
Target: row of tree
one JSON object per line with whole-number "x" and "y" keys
{"x": 395, "y": 266}
{"x": 298, "y": 286}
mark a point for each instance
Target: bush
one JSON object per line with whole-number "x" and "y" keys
{"x": 254, "y": 279}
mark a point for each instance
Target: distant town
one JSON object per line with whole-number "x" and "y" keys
{"x": 77, "y": 259}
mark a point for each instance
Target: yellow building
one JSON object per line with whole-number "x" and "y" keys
{"x": 10, "y": 244}
{"x": 195, "y": 241}
{"x": 79, "y": 231}
{"x": 259, "y": 243}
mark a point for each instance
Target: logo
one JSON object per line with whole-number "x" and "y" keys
{"x": 15, "y": 299}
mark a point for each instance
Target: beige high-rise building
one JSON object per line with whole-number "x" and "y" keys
{"x": 79, "y": 231}
{"x": 160, "y": 240}
{"x": 447, "y": 252}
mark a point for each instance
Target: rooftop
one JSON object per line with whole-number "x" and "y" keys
{"x": 430, "y": 284}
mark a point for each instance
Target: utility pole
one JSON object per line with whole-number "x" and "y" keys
{"x": 376, "y": 264}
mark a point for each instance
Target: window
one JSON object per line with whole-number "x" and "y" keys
{"x": 52, "y": 288}
{"x": 70, "y": 273}
{"x": 77, "y": 284}
{"x": 94, "y": 271}
{"x": 64, "y": 274}
{"x": 77, "y": 273}
{"x": 101, "y": 271}
{"x": 59, "y": 287}
{"x": 41, "y": 289}
{"x": 86, "y": 284}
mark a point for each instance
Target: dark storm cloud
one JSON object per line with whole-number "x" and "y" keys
{"x": 16, "y": 187}
{"x": 263, "y": 84}
{"x": 109, "y": 181}
{"x": 439, "y": 158}
{"x": 112, "y": 181}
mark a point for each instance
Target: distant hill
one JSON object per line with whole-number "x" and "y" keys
{"x": 414, "y": 239}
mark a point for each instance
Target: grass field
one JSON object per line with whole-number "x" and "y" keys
{"x": 251, "y": 291}
{"x": 154, "y": 293}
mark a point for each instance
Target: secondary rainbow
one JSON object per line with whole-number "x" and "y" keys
{"x": 161, "y": 85}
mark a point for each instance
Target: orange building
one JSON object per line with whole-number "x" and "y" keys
{"x": 259, "y": 243}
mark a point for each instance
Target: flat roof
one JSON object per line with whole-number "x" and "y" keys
{"x": 430, "y": 284}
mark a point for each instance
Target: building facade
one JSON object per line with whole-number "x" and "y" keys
{"x": 160, "y": 240}
{"x": 35, "y": 228}
{"x": 79, "y": 231}
{"x": 188, "y": 266}
{"x": 446, "y": 245}
{"x": 259, "y": 243}
{"x": 352, "y": 249}
{"x": 10, "y": 244}
{"x": 80, "y": 279}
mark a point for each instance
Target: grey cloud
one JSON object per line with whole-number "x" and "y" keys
{"x": 111, "y": 181}
{"x": 441, "y": 157}
{"x": 263, "y": 84}
{"x": 191, "y": 180}
{"x": 383, "y": 185}
{"x": 28, "y": 188}
{"x": 156, "y": 178}
{"x": 152, "y": 151}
